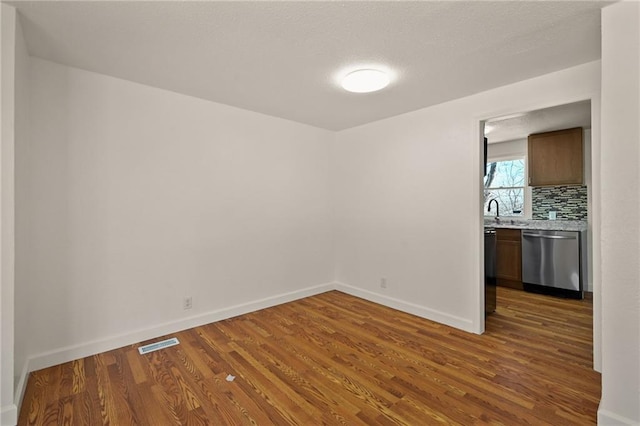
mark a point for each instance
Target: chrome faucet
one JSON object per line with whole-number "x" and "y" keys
{"x": 497, "y": 208}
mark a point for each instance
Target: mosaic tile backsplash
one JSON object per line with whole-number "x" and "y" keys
{"x": 570, "y": 202}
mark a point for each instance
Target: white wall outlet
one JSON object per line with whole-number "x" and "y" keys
{"x": 552, "y": 215}
{"x": 187, "y": 303}
{"x": 383, "y": 283}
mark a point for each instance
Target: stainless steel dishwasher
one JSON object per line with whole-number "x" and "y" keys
{"x": 554, "y": 262}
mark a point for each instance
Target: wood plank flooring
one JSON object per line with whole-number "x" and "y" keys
{"x": 336, "y": 359}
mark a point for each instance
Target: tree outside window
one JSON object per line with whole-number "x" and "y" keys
{"x": 505, "y": 182}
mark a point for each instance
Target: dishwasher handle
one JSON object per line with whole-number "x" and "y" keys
{"x": 549, "y": 237}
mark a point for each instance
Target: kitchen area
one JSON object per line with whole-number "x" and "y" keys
{"x": 536, "y": 194}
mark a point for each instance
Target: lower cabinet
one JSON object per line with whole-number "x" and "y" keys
{"x": 509, "y": 258}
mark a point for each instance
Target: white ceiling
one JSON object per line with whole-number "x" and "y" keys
{"x": 285, "y": 58}
{"x": 520, "y": 125}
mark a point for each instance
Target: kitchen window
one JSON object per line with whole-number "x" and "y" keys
{"x": 505, "y": 181}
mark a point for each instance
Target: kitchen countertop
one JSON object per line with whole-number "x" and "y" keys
{"x": 549, "y": 225}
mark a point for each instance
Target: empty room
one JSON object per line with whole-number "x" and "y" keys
{"x": 307, "y": 213}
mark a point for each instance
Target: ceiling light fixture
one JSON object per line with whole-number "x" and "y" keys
{"x": 365, "y": 81}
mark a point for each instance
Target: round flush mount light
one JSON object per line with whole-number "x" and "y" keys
{"x": 365, "y": 81}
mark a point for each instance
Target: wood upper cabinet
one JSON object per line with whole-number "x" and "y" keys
{"x": 556, "y": 158}
{"x": 509, "y": 258}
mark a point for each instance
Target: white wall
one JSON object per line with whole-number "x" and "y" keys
{"x": 620, "y": 180}
{"x": 22, "y": 84}
{"x": 408, "y": 197}
{"x": 9, "y": 38}
{"x": 507, "y": 149}
{"x": 139, "y": 197}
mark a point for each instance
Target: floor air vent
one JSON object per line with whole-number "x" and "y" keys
{"x": 158, "y": 345}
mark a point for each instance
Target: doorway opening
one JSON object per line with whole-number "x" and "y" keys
{"x": 505, "y": 179}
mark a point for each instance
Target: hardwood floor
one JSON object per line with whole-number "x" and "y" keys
{"x": 337, "y": 359}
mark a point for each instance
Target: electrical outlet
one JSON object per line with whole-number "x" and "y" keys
{"x": 383, "y": 283}
{"x": 187, "y": 303}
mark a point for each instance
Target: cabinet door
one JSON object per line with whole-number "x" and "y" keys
{"x": 509, "y": 258}
{"x": 556, "y": 158}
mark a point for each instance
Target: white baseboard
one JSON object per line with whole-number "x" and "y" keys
{"x": 69, "y": 353}
{"x": 9, "y": 415}
{"x": 21, "y": 385}
{"x": 607, "y": 418}
{"x": 411, "y": 308}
